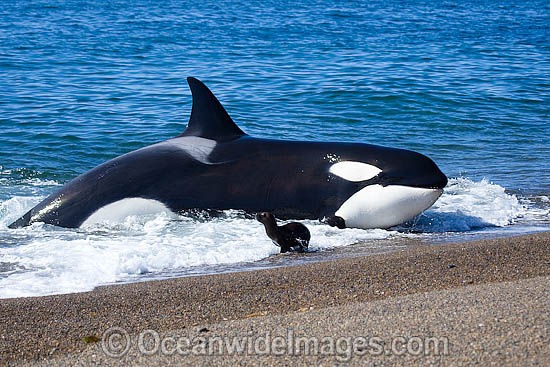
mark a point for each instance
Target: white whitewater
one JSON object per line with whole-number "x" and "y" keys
{"x": 42, "y": 259}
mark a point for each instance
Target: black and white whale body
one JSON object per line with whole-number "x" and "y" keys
{"x": 215, "y": 165}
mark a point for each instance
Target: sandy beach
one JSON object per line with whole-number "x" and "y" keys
{"x": 482, "y": 303}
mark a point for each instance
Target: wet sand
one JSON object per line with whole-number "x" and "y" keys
{"x": 488, "y": 298}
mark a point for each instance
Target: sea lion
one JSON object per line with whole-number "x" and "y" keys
{"x": 290, "y": 236}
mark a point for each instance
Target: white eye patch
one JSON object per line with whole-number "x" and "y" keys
{"x": 354, "y": 171}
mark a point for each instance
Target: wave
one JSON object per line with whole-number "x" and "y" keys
{"x": 43, "y": 259}
{"x": 467, "y": 205}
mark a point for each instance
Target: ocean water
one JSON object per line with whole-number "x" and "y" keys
{"x": 466, "y": 83}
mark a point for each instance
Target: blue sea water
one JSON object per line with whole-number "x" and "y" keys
{"x": 466, "y": 83}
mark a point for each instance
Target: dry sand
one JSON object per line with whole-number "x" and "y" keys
{"x": 487, "y": 300}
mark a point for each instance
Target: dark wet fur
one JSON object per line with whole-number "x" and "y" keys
{"x": 291, "y": 236}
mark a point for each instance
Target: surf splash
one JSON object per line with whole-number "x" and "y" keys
{"x": 467, "y": 205}
{"x": 43, "y": 259}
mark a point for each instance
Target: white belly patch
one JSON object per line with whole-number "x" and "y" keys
{"x": 377, "y": 206}
{"x": 119, "y": 210}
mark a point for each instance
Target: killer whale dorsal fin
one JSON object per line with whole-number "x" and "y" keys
{"x": 208, "y": 117}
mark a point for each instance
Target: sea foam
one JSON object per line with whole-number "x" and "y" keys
{"x": 467, "y": 205}
{"x": 43, "y": 259}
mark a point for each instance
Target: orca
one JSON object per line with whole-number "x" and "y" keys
{"x": 214, "y": 165}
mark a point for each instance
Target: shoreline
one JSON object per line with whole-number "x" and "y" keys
{"x": 51, "y": 328}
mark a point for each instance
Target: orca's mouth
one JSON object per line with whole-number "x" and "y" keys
{"x": 435, "y": 181}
